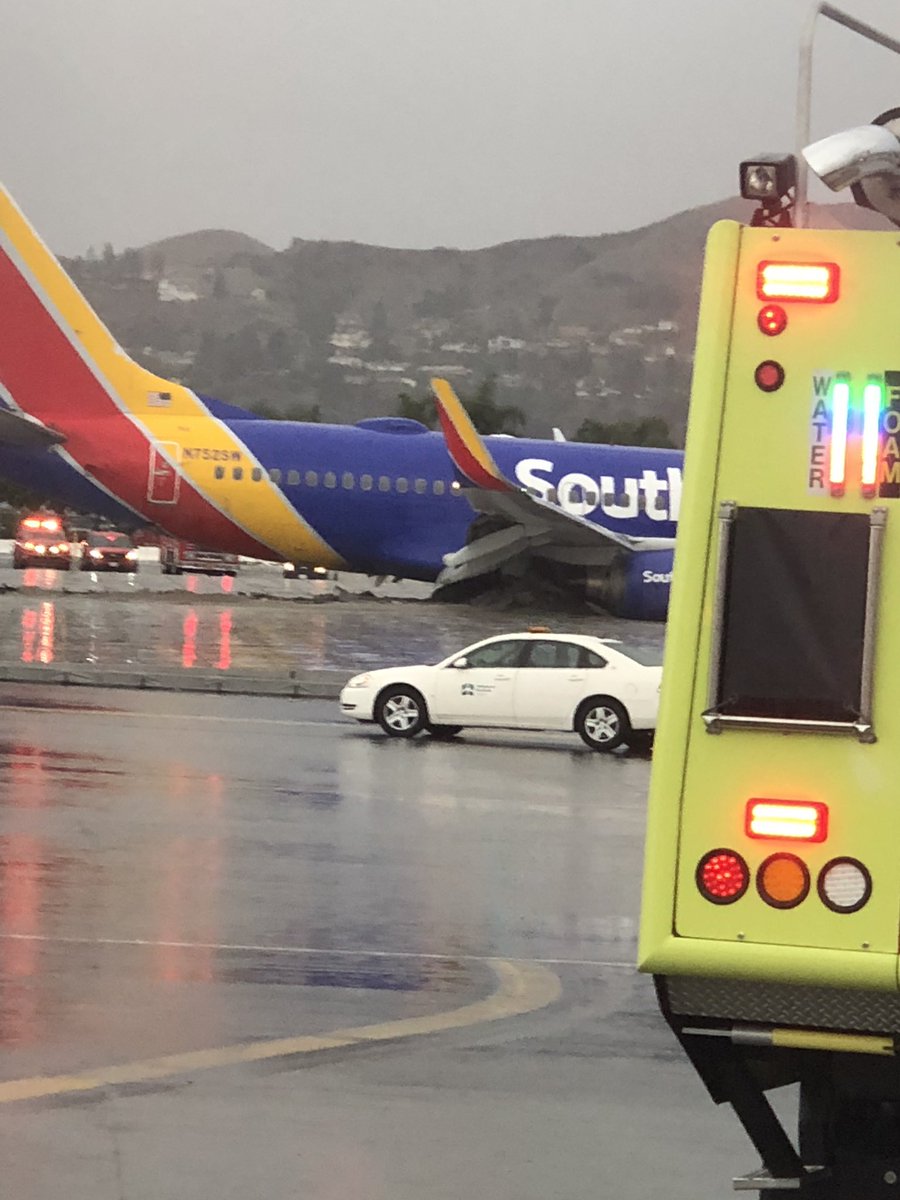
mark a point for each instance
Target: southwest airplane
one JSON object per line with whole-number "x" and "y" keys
{"x": 86, "y": 426}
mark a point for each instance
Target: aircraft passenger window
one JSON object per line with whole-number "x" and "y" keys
{"x": 365, "y": 482}
{"x": 256, "y": 474}
{"x": 312, "y": 478}
{"x": 552, "y": 496}
{"x": 275, "y": 475}
{"x": 402, "y": 485}
{"x": 219, "y": 472}
{"x": 329, "y": 479}
{"x": 421, "y": 486}
{"x": 497, "y": 654}
{"x": 591, "y": 498}
{"x": 642, "y": 502}
{"x": 294, "y": 478}
{"x": 608, "y": 498}
{"x": 590, "y": 659}
{"x": 347, "y": 480}
{"x": 384, "y": 484}
{"x": 438, "y": 487}
{"x": 622, "y": 499}
{"x": 576, "y": 494}
{"x": 660, "y": 502}
{"x": 237, "y": 472}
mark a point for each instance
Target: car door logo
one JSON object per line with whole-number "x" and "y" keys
{"x": 468, "y": 689}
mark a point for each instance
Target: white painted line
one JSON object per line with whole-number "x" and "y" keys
{"x": 262, "y": 948}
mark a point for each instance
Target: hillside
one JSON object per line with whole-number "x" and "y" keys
{"x": 571, "y": 327}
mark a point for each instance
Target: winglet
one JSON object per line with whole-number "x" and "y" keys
{"x": 470, "y": 455}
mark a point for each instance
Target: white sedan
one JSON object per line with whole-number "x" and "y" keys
{"x": 606, "y": 692}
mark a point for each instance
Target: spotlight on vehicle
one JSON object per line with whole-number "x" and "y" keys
{"x": 866, "y": 159}
{"x": 769, "y": 179}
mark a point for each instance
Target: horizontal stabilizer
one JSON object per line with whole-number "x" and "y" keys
{"x": 18, "y": 429}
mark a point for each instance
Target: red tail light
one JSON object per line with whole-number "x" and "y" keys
{"x": 798, "y": 820}
{"x": 816, "y": 282}
{"x": 722, "y": 876}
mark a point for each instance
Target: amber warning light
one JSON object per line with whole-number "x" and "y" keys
{"x": 816, "y": 282}
{"x": 798, "y": 820}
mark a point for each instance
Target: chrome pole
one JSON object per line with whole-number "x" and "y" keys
{"x": 804, "y": 87}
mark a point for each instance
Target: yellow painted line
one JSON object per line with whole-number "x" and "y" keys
{"x": 521, "y": 989}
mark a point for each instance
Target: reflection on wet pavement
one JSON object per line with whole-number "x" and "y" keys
{"x": 223, "y": 624}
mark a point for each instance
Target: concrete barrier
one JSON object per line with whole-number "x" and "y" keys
{"x": 312, "y": 685}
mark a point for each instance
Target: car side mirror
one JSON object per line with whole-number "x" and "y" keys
{"x": 460, "y": 664}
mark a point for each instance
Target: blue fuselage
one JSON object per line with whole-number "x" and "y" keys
{"x": 383, "y": 494}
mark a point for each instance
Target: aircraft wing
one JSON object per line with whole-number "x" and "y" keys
{"x": 24, "y": 432}
{"x": 530, "y": 524}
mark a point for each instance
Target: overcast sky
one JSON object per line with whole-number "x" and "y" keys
{"x": 406, "y": 122}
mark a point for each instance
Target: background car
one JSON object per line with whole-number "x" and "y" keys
{"x": 294, "y": 571}
{"x": 604, "y": 690}
{"x": 108, "y": 550}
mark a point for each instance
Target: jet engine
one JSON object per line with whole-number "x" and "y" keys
{"x": 634, "y": 585}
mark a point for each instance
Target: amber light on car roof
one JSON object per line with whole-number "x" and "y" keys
{"x": 799, "y": 820}
{"x": 817, "y": 282}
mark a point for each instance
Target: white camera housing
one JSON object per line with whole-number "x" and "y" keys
{"x": 853, "y": 155}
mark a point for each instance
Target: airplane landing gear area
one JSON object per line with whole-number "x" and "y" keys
{"x": 847, "y": 1142}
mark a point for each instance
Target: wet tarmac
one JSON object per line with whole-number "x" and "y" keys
{"x": 255, "y": 622}
{"x": 249, "y": 949}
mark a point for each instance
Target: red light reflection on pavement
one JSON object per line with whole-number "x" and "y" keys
{"x": 189, "y": 641}
{"x": 21, "y": 891}
{"x": 46, "y": 630}
{"x": 38, "y": 633}
{"x": 190, "y": 877}
{"x": 225, "y": 622}
{"x": 29, "y": 632}
{"x": 194, "y": 651}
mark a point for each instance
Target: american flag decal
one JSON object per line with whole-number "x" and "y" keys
{"x": 159, "y": 399}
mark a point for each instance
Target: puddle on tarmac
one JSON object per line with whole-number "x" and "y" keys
{"x": 217, "y": 631}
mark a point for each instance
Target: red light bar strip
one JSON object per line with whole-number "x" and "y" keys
{"x": 816, "y": 282}
{"x": 797, "y": 820}
{"x": 871, "y": 432}
{"x": 840, "y": 413}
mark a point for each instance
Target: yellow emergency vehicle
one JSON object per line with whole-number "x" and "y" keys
{"x": 771, "y": 910}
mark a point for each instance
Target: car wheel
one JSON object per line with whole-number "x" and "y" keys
{"x": 602, "y": 723}
{"x": 443, "y": 733}
{"x": 401, "y": 712}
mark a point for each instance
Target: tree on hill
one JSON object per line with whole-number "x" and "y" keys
{"x": 487, "y": 415}
{"x": 649, "y": 431}
{"x": 417, "y": 408}
{"x": 309, "y": 413}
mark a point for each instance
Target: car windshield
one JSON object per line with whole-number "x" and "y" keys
{"x": 107, "y": 538}
{"x": 647, "y": 656}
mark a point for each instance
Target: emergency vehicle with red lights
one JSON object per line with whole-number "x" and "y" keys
{"x": 41, "y": 541}
{"x": 177, "y": 556}
{"x": 771, "y": 909}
